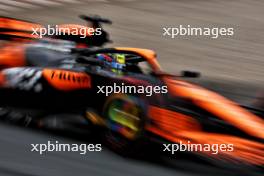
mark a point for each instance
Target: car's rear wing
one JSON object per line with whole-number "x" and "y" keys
{"x": 14, "y": 29}
{"x": 96, "y": 20}
{"x": 75, "y": 32}
{"x": 17, "y": 29}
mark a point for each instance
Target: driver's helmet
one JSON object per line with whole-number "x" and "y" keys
{"x": 119, "y": 61}
{"x": 115, "y": 61}
{"x": 105, "y": 58}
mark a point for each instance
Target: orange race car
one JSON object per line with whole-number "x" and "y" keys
{"x": 135, "y": 102}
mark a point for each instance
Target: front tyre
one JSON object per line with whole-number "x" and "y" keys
{"x": 125, "y": 120}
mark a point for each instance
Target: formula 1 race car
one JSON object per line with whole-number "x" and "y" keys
{"x": 124, "y": 92}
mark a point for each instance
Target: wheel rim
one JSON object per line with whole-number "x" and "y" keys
{"x": 123, "y": 118}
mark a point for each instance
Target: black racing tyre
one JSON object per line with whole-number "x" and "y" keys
{"x": 15, "y": 117}
{"x": 3, "y": 112}
{"x": 125, "y": 120}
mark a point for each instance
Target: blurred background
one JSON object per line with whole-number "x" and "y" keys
{"x": 232, "y": 65}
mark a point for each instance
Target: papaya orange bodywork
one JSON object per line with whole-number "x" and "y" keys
{"x": 18, "y": 29}
{"x": 12, "y": 55}
{"x": 2, "y": 79}
{"x": 67, "y": 80}
{"x": 149, "y": 55}
{"x": 177, "y": 127}
{"x": 171, "y": 120}
{"x": 219, "y": 106}
{"x": 19, "y": 25}
{"x": 243, "y": 149}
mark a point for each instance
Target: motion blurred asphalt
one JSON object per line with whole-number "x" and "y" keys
{"x": 16, "y": 158}
{"x": 233, "y": 66}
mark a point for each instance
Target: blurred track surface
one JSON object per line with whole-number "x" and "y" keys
{"x": 16, "y": 158}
